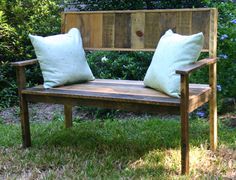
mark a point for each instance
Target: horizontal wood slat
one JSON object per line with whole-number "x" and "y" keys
{"x": 136, "y": 30}
{"x": 117, "y": 91}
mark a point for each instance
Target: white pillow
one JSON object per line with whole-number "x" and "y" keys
{"x": 62, "y": 58}
{"x": 173, "y": 50}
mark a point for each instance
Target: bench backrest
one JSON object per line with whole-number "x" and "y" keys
{"x": 140, "y": 30}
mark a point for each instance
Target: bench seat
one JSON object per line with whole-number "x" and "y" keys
{"x": 120, "y": 92}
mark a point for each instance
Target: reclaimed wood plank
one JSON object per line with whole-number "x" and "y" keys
{"x": 68, "y": 115}
{"x": 24, "y": 114}
{"x": 96, "y": 28}
{"x": 184, "y": 22}
{"x": 167, "y": 21}
{"x": 184, "y": 114}
{"x": 201, "y": 23}
{"x": 213, "y": 79}
{"x": 127, "y": 106}
{"x": 122, "y": 30}
{"x": 108, "y": 30}
{"x": 137, "y": 30}
{"x": 152, "y": 33}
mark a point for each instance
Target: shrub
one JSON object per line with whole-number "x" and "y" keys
{"x": 122, "y": 65}
{"x": 18, "y": 18}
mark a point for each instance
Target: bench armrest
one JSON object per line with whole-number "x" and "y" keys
{"x": 20, "y": 73}
{"x": 185, "y": 70}
{"x": 24, "y": 63}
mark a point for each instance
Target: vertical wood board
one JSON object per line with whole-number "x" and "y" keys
{"x": 201, "y": 23}
{"x": 108, "y": 30}
{"x": 184, "y": 23}
{"x": 152, "y": 34}
{"x": 137, "y": 30}
{"x": 122, "y": 30}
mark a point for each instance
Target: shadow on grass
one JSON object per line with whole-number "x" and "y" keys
{"x": 122, "y": 137}
{"x": 112, "y": 148}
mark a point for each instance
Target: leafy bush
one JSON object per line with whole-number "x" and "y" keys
{"x": 122, "y": 65}
{"x": 95, "y": 5}
{"x": 18, "y": 18}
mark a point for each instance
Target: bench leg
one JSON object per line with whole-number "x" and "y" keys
{"x": 184, "y": 125}
{"x": 25, "y": 126}
{"x": 213, "y": 109}
{"x": 68, "y": 115}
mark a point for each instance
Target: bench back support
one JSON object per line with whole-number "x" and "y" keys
{"x": 140, "y": 30}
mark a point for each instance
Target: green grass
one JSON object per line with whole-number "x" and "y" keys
{"x": 113, "y": 149}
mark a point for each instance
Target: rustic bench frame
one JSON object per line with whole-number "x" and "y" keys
{"x": 183, "y": 106}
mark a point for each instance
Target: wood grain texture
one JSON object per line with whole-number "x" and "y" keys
{"x": 213, "y": 106}
{"x": 68, "y": 115}
{"x": 152, "y": 33}
{"x": 137, "y": 30}
{"x": 117, "y": 30}
{"x": 184, "y": 107}
{"x": 201, "y": 23}
{"x": 184, "y": 22}
{"x": 108, "y": 30}
{"x": 123, "y": 30}
{"x": 96, "y": 28}
{"x": 213, "y": 79}
{"x": 24, "y": 114}
{"x": 167, "y": 21}
{"x": 127, "y": 106}
{"x": 24, "y": 63}
{"x": 213, "y": 33}
{"x": 121, "y": 91}
{"x": 194, "y": 66}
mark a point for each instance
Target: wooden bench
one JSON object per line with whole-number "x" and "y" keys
{"x": 138, "y": 30}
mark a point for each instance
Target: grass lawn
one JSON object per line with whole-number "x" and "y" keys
{"x": 114, "y": 149}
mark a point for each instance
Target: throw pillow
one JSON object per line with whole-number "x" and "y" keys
{"x": 173, "y": 50}
{"x": 62, "y": 58}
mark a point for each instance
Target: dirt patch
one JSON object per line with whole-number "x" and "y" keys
{"x": 40, "y": 112}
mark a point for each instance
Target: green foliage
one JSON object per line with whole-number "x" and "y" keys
{"x": 123, "y": 65}
{"x": 18, "y": 18}
{"x": 95, "y": 5}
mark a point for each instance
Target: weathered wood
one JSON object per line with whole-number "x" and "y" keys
{"x": 199, "y": 100}
{"x": 152, "y": 33}
{"x": 184, "y": 22}
{"x": 213, "y": 107}
{"x": 201, "y": 23}
{"x": 96, "y": 21}
{"x": 122, "y": 30}
{"x": 117, "y": 91}
{"x": 213, "y": 33}
{"x": 68, "y": 115}
{"x": 24, "y": 63}
{"x": 136, "y": 30}
{"x": 193, "y": 67}
{"x": 109, "y": 104}
{"x": 213, "y": 79}
{"x": 108, "y": 31}
{"x": 184, "y": 124}
{"x": 24, "y": 115}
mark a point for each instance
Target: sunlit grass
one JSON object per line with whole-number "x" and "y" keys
{"x": 113, "y": 149}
